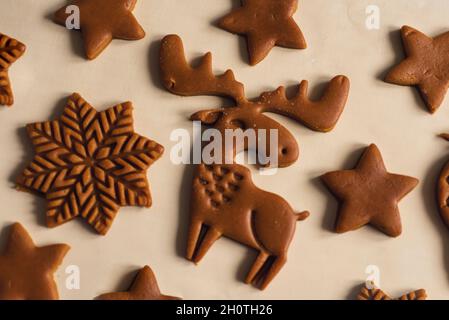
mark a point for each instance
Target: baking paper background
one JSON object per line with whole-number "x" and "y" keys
{"x": 322, "y": 264}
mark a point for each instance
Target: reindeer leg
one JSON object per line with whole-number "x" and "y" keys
{"x": 193, "y": 237}
{"x": 273, "y": 271}
{"x": 258, "y": 264}
{"x": 211, "y": 236}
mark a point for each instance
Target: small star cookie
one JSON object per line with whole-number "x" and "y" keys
{"x": 426, "y": 66}
{"x": 265, "y": 23}
{"x": 369, "y": 194}
{"x": 26, "y": 271}
{"x": 144, "y": 287}
{"x": 103, "y": 20}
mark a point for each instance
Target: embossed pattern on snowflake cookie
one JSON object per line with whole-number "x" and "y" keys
{"x": 371, "y": 292}
{"x": 10, "y": 51}
{"x": 89, "y": 164}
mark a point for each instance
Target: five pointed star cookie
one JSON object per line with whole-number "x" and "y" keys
{"x": 144, "y": 287}
{"x": 103, "y": 20}
{"x": 265, "y": 23}
{"x": 89, "y": 163}
{"x": 26, "y": 271}
{"x": 10, "y": 51}
{"x": 369, "y": 194}
{"x": 426, "y": 66}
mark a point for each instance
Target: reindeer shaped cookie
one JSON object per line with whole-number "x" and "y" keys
{"x": 180, "y": 78}
{"x": 225, "y": 201}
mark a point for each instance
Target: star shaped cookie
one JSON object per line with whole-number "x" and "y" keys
{"x": 26, "y": 271}
{"x": 144, "y": 287}
{"x": 10, "y": 51}
{"x": 88, "y": 164}
{"x": 265, "y": 23}
{"x": 103, "y": 20}
{"x": 426, "y": 66}
{"x": 369, "y": 194}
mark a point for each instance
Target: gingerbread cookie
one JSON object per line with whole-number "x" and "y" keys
{"x": 144, "y": 287}
{"x": 10, "y": 51}
{"x": 322, "y": 115}
{"x": 265, "y": 24}
{"x": 103, "y": 20}
{"x": 443, "y": 189}
{"x": 369, "y": 194}
{"x": 26, "y": 271}
{"x": 225, "y": 202}
{"x": 88, "y": 164}
{"x": 426, "y": 66}
{"x": 373, "y": 293}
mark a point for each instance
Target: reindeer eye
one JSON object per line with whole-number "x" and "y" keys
{"x": 238, "y": 124}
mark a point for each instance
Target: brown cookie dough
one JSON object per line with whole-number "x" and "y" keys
{"x": 426, "y": 66}
{"x": 144, "y": 287}
{"x": 10, "y": 51}
{"x": 443, "y": 189}
{"x": 265, "y": 24}
{"x": 226, "y": 203}
{"x": 373, "y": 293}
{"x": 103, "y": 20}
{"x": 320, "y": 115}
{"x": 26, "y": 271}
{"x": 369, "y": 194}
{"x": 89, "y": 164}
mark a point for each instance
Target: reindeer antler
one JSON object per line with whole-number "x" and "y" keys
{"x": 181, "y": 79}
{"x": 319, "y": 115}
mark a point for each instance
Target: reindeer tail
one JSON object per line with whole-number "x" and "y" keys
{"x": 301, "y": 216}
